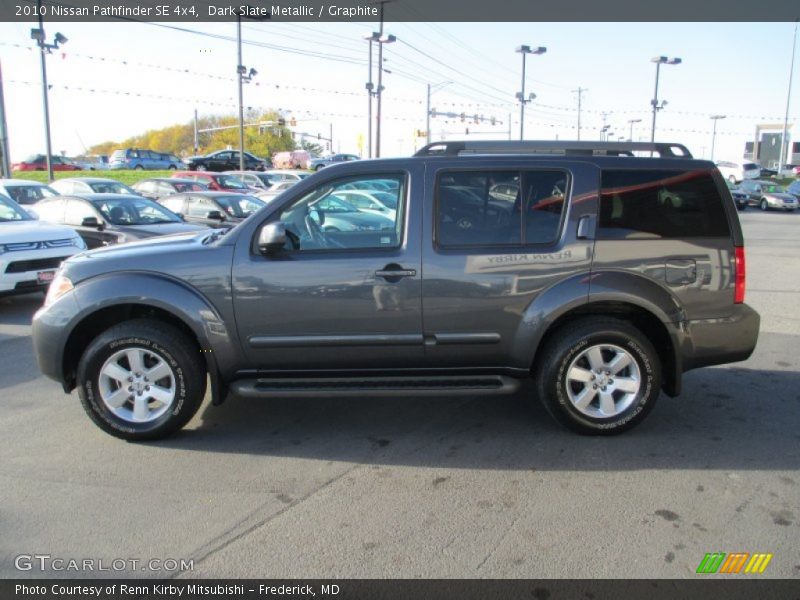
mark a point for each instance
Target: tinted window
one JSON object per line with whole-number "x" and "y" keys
{"x": 321, "y": 220}
{"x": 489, "y": 208}
{"x": 131, "y": 210}
{"x": 661, "y": 204}
{"x": 29, "y": 194}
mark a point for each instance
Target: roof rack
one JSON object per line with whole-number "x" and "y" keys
{"x": 576, "y": 148}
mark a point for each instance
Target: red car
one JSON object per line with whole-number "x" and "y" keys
{"x": 218, "y": 182}
{"x": 38, "y": 162}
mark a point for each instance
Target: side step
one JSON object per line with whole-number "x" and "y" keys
{"x": 374, "y": 386}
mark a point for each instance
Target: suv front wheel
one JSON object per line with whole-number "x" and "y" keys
{"x": 598, "y": 376}
{"x": 141, "y": 380}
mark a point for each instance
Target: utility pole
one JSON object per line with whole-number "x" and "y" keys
{"x": 330, "y": 137}
{"x": 631, "y": 122}
{"x": 579, "y": 91}
{"x": 374, "y": 37}
{"x": 5, "y": 160}
{"x": 239, "y": 70}
{"x": 431, "y": 89}
{"x": 786, "y": 153}
{"x": 196, "y": 144}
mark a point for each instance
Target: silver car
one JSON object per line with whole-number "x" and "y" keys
{"x": 767, "y": 195}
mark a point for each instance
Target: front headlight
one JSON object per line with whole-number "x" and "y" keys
{"x": 79, "y": 243}
{"x": 58, "y": 287}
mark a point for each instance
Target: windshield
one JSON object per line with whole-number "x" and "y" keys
{"x": 29, "y": 194}
{"x": 231, "y": 182}
{"x": 239, "y": 205}
{"x": 134, "y": 211}
{"x": 110, "y": 187}
{"x": 9, "y": 211}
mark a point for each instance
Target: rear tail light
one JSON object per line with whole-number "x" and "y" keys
{"x": 739, "y": 276}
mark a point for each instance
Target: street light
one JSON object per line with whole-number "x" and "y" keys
{"x": 714, "y": 118}
{"x": 631, "y": 123}
{"x": 604, "y": 131}
{"x": 243, "y": 75}
{"x": 432, "y": 89}
{"x": 373, "y": 37}
{"x": 39, "y": 36}
{"x": 525, "y": 50}
{"x": 659, "y": 60}
{"x": 386, "y": 39}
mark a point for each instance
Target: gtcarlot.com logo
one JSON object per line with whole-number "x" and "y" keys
{"x": 47, "y": 562}
{"x": 737, "y": 562}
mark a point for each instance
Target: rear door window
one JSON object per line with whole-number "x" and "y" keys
{"x": 661, "y": 204}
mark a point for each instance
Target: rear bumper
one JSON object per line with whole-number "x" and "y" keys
{"x": 720, "y": 341}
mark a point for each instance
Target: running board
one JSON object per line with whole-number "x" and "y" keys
{"x": 374, "y": 386}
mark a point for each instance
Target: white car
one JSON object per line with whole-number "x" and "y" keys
{"x": 30, "y": 250}
{"x": 277, "y": 188}
{"x": 377, "y": 202}
{"x": 25, "y": 191}
{"x": 288, "y": 174}
{"x": 739, "y": 171}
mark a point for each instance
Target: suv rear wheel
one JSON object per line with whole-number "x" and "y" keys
{"x": 141, "y": 380}
{"x": 598, "y": 376}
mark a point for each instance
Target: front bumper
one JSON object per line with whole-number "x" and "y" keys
{"x": 50, "y": 330}
{"x": 19, "y": 270}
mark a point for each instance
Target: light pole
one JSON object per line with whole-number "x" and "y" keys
{"x": 631, "y": 122}
{"x": 431, "y": 89}
{"x": 579, "y": 91}
{"x": 525, "y": 50}
{"x": 374, "y": 37}
{"x": 387, "y": 39}
{"x": 604, "y": 131}
{"x": 714, "y": 118}
{"x": 5, "y": 161}
{"x": 39, "y": 36}
{"x": 242, "y": 76}
{"x": 659, "y": 60}
{"x": 786, "y": 154}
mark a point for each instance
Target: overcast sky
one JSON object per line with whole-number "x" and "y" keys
{"x": 318, "y": 72}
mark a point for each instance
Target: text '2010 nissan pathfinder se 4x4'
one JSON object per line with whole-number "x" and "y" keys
{"x": 600, "y": 274}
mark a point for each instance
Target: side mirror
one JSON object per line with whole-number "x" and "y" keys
{"x": 215, "y": 215}
{"x": 272, "y": 238}
{"x": 92, "y": 222}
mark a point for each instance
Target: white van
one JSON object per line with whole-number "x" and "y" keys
{"x": 739, "y": 171}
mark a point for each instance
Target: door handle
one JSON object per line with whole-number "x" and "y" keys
{"x": 395, "y": 272}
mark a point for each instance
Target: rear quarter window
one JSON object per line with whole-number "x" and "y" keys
{"x": 645, "y": 204}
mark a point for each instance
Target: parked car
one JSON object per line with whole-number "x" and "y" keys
{"x": 109, "y": 219}
{"x": 740, "y": 198}
{"x": 288, "y": 175}
{"x": 335, "y": 215}
{"x": 214, "y": 209}
{"x": 25, "y": 191}
{"x": 225, "y": 160}
{"x": 139, "y": 160}
{"x": 295, "y": 159}
{"x": 768, "y": 195}
{"x": 216, "y": 182}
{"x": 161, "y": 187}
{"x": 373, "y": 201}
{"x": 257, "y": 180}
{"x": 767, "y": 172}
{"x": 275, "y": 190}
{"x": 317, "y": 163}
{"x": 91, "y": 185}
{"x": 92, "y": 163}
{"x": 31, "y": 251}
{"x": 739, "y": 171}
{"x": 38, "y": 162}
{"x": 789, "y": 171}
{"x": 601, "y": 304}
{"x": 794, "y": 189}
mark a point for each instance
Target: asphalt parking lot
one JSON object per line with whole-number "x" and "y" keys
{"x": 457, "y": 487}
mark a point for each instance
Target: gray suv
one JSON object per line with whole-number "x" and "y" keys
{"x": 599, "y": 275}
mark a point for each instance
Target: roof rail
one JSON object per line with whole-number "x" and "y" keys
{"x": 577, "y": 148}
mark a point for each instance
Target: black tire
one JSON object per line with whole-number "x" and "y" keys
{"x": 138, "y": 168}
{"x": 172, "y": 168}
{"x": 567, "y": 344}
{"x": 158, "y": 338}
{"x": 318, "y": 167}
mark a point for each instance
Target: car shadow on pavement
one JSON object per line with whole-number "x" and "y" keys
{"x": 727, "y": 418}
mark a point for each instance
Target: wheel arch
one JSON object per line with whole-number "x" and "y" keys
{"x": 112, "y": 299}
